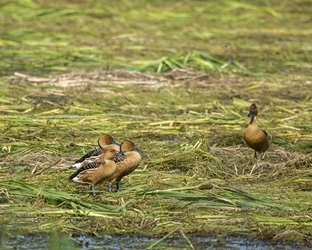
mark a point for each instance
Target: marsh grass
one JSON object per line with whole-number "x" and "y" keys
{"x": 195, "y": 60}
{"x": 185, "y": 145}
{"x": 213, "y": 36}
{"x": 188, "y": 116}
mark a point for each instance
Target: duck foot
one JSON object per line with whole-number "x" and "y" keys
{"x": 110, "y": 187}
{"x": 92, "y": 190}
{"x": 117, "y": 186}
{"x": 262, "y": 157}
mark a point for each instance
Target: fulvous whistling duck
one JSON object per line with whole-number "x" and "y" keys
{"x": 103, "y": 141}
{"x": 127, "y": 161}
{"x": 255, "y": 137}
{"x": 96, "y": 172}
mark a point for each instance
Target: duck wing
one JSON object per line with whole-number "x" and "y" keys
{"x": 119, "y": 157}
{"x": 91, "y": 165}
{"x": 94, "y": 152}
{"x": 266, "y": 134}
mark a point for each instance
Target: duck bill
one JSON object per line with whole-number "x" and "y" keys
{"x": 250, "y": 113}
{"x": 137, "y": 150}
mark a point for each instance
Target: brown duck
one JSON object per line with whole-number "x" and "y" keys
{"x": 127, "y": 161}
{"x": 103, "y": 141}
{"x": 96, "y": 172}
{"x": 255, "y": 137}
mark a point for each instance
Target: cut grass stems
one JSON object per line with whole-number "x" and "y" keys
{"x": 196, "y": 60}
{"x": 202, "y": 63}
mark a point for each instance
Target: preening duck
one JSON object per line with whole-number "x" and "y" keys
{"x": 127, "y": 161}
{"x": 103, "y": 142}
{"x": 98, "y": 171}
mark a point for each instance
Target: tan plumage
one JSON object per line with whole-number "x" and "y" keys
{"x": 98, "y": 171}
{"x": 92, "y": 156}
{"x": 129, "y": 160}
{"x": 106, "y": 140}
{"x": 255, "y": 137}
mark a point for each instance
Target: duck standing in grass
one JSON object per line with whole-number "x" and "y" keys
{"x": 103, "y": 141}
{"x": 98, "y": 171}
{"x": 255, "y": 137}
{"x": 127, "y": 161}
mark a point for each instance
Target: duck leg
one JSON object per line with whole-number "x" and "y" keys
{"x": 260, "y": 159}
{"x": 256, "y": 165}
{"x": 262, "y": 156}
{"x": 110, "y": 187}
{"x": 117, "y": 186}
{"x": 92, "y": 190}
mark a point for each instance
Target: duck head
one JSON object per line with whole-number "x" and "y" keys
{"x": 105, "y": 140}
{"x": 109, "y": 153}
{"x": 253, "y": 110}
{"x": 127, "y": 146}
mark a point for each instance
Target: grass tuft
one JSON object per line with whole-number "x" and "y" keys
{"x": 195, "y": 60}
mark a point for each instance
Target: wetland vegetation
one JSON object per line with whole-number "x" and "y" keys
{"x": 177, "y": 78}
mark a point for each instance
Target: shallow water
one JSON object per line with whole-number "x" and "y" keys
{"x": 43, "y": 241}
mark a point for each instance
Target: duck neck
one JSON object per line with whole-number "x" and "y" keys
{"x": 107, "y": 161}
{"x": 253, "y": 118}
